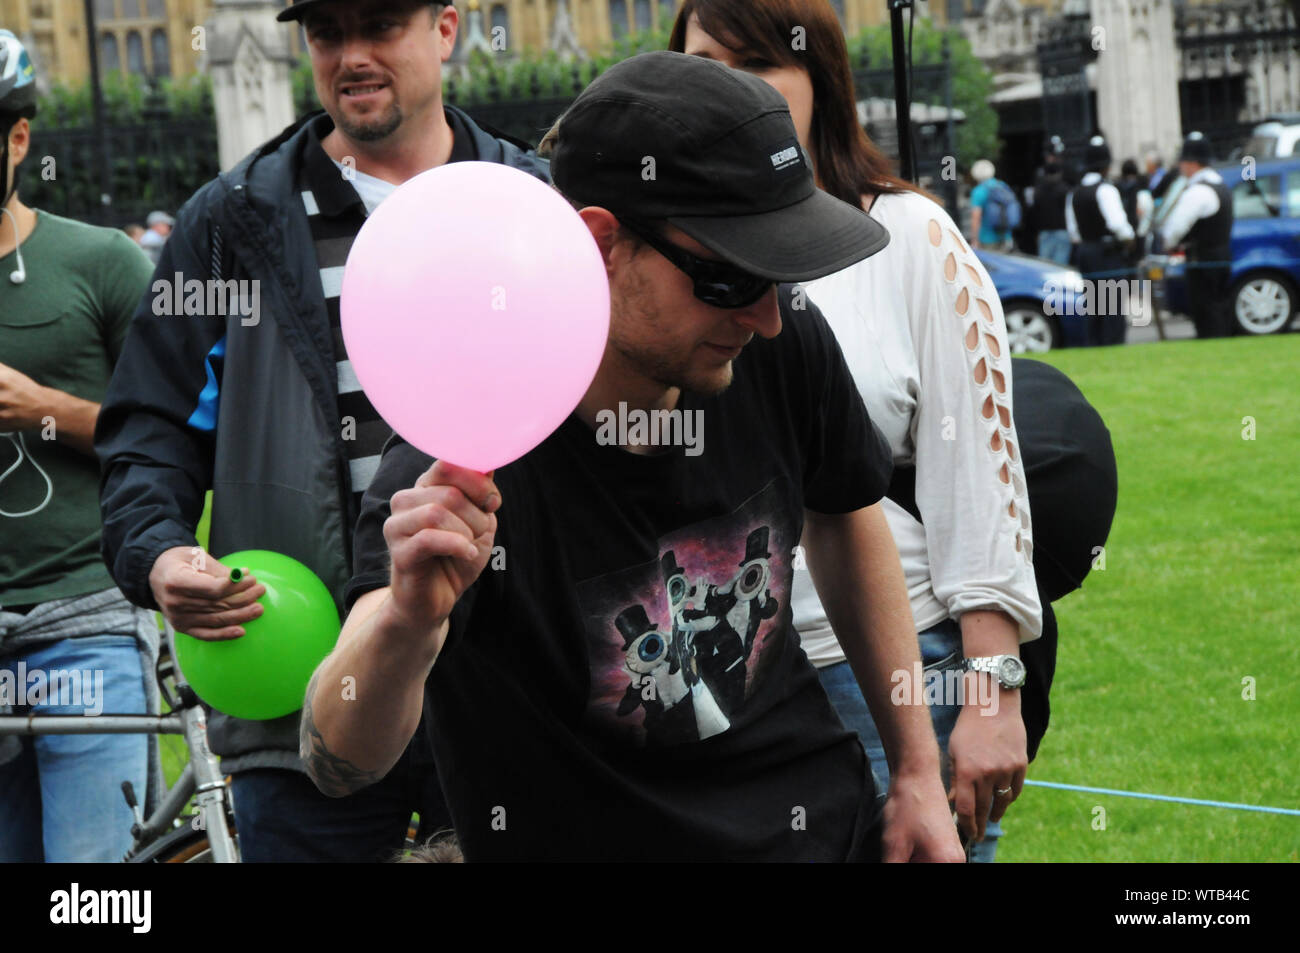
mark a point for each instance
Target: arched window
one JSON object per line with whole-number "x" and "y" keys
{"x": 161, "y": 53}
{"x": 105, "y": 9}
{"x": 156, "y": 10}
{"x": 644, "y": 15}
{"x": 108, "y": 54}
{"x": 618, "y": 18}
{"x": 135, "y": 53}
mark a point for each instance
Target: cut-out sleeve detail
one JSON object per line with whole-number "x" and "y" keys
{"x": 979, "y": 541}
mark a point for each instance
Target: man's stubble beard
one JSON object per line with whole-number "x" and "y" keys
{"x": 371, "y": 130}
{"x": 666, "y": 369}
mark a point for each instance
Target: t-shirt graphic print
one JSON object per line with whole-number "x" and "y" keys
{"x": 677, "y": 644}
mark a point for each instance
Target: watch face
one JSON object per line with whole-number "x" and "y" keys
{"x": 1012, "y": 671}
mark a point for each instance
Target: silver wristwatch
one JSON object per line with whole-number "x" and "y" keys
{"x": 1008, "y": 669}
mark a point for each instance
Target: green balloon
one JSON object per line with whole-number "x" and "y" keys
{"x": 264, "y": 673}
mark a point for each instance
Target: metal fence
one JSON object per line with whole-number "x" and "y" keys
{"x": 528, "y": 114}
{"x": 157, "y": 163}
{"x": 933, "y": 123}
{"x": 1220, "y": 46}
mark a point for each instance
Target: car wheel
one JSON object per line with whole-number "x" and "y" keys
{"x": 1028, "y": 329}
{"x": 1262, "y": 304}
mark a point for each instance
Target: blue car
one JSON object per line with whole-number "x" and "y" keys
{"x": 1038, "y": 301}
{"x": 1265, "y": 247}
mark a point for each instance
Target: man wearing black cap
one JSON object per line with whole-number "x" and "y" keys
{"x": 630, "y": 686}
{"x": 1103, "y": 238}
{"x": 1201, "y": 220}
{"x": 260, "y": 404}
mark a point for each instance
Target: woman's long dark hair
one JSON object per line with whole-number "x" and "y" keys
{"x": 848, "y": 164}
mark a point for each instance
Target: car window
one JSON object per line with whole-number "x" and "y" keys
{"x": 1261, "y": 147}
{"x": 1251, "y": 199}
{"x": 1293, "y": 193}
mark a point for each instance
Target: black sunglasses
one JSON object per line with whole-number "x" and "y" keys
{"x": 718, "y": 283}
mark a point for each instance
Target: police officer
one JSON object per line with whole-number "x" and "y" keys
{"x": 1201, "y": 220}
{"x": 1139, "y": 206}
{"x": 1103, "y": 238}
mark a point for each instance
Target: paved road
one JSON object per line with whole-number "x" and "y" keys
{"x": 1177, "y": 328}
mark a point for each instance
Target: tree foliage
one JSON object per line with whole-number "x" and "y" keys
{"x": 977, "y": 136}
{"x": 127, "y": 99}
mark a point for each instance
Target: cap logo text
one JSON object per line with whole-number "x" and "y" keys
{"x": 785, "y": 158}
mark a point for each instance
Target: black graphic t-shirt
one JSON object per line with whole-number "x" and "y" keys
{"x": 623, "y": 681}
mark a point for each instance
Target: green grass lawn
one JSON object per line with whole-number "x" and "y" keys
{"x": 1200, "y": 591}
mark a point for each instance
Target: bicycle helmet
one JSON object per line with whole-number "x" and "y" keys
{"x": 17, "y": 101}
{"x": 17, "y": 78}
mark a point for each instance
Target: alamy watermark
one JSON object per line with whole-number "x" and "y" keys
{"x": 935, "y": 687}
{"x": 651, "y": 428}
{"x": 211, "y": 298}
{"x": 1103, "y": 297}
{"x": 131, "y": 908}
{"x": 71, "y": 688}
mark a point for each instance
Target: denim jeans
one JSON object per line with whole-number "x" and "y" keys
{"x": 282, "y": 817}
{"x": 61, "y": 797}
{"x": 1055, "y": 245}
{"x": 940, "y": 650}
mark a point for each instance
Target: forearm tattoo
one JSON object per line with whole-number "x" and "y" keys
{"x": 334, "y": 776}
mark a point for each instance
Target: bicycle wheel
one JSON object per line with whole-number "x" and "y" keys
{"x": 184, "y": 845}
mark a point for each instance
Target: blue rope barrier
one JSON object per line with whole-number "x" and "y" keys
{"x": 1165, "y": 797}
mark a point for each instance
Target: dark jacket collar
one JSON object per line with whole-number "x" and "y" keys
{"x": 334, "y": 195}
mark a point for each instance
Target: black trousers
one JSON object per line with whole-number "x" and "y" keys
{"x": 1103, "y": 261}
{"x": 1207, "y": 300}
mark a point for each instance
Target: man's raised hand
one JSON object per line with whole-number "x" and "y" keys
{"x": 439, "y": 539}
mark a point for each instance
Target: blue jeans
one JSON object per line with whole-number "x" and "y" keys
{"x": 61, "y": 797}
{"x": 941, "y": 650}
{"x": 281, "y": 815}
{"x": 1055, "y": 245}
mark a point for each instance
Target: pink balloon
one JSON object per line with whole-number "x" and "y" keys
{"x": 475, "y": 310}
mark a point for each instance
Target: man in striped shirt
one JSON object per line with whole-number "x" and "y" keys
{"x": 267, "y": 412}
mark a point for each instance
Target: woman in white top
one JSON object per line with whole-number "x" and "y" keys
{"x": 922, "y": 329}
